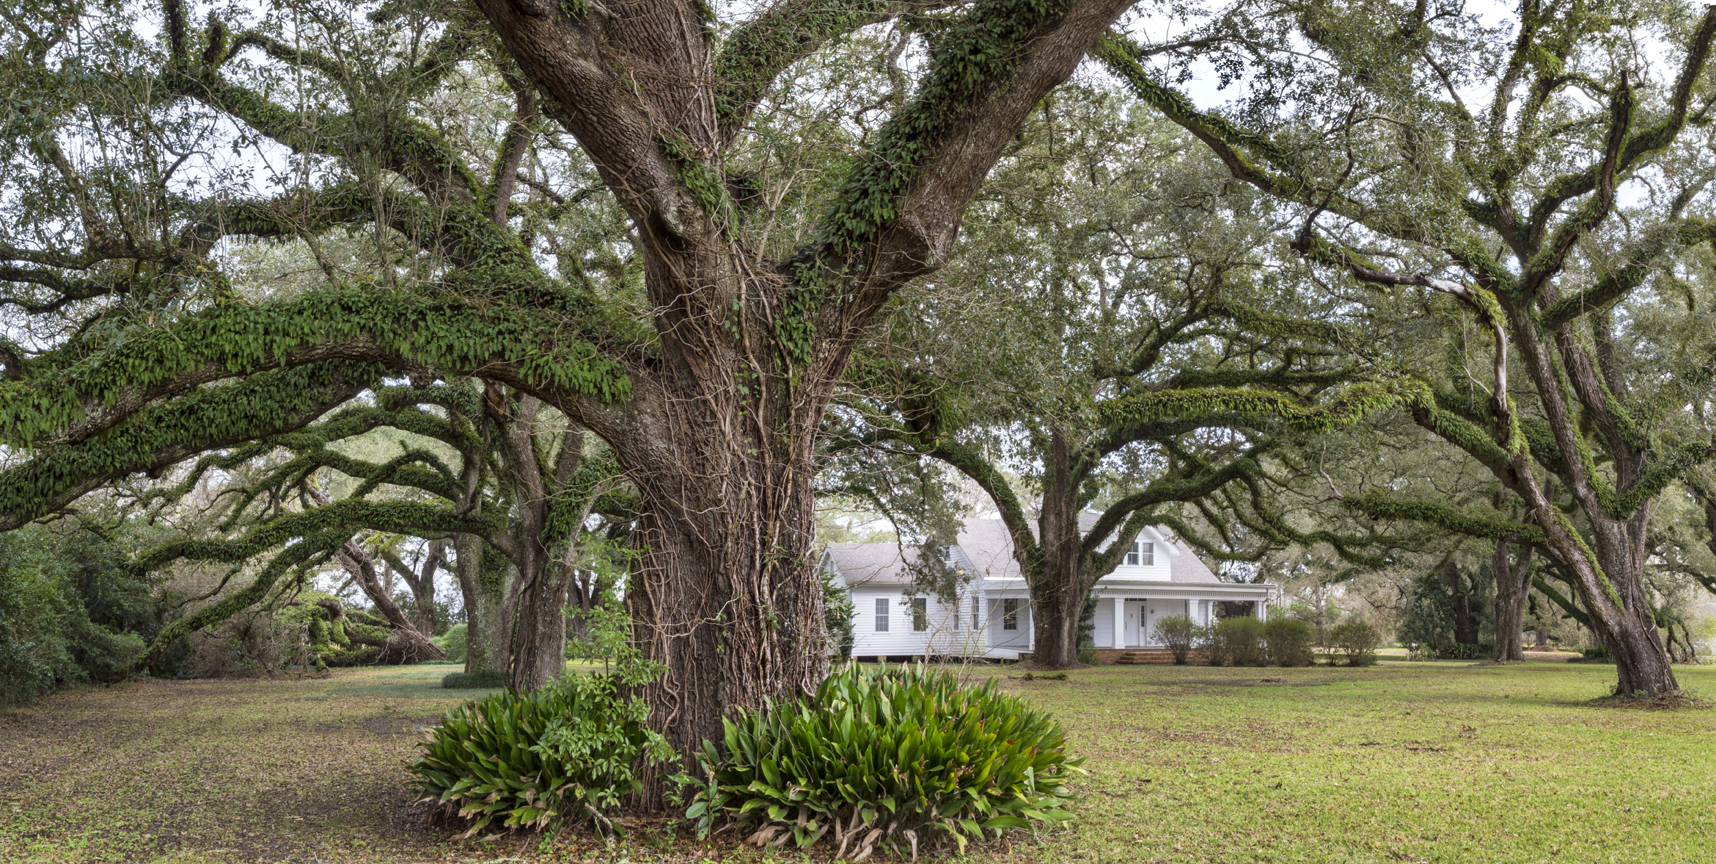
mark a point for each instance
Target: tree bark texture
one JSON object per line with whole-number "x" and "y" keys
{"x": 485, "y": 581}
{"x": 1512, "y": 582}
{"x": 1057, "y": 590}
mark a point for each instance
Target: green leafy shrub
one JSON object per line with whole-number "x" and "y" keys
{"x": 1237, "y": 641}
{"x": 1179, "y": 633}
{"x": 886, "y": 757}
{"x": 474, "y": 680}
{"x": 453, "y": 643}
{"x": 561, "y": 756}
{"x": 538, "y": 761}
{"x": 1356, "y": 641}
{"x": 70, "y": 611}
{"x": 1287, "y": 642}
{"x": 36, "y": 613}
{"x": 1088, "y": 656}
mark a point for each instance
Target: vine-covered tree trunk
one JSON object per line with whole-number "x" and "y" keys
{"x": 484, "y": 581}
{"x": 726, "y": 593}
{"x": 1610, "y": 586}
{"x": 539, "y": 630}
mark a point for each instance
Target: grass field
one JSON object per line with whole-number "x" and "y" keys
{"x": 1436, "y": 762}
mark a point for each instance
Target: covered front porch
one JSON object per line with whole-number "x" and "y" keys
{"x": 1126, "y": 618}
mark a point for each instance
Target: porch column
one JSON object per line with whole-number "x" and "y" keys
{"x": 1263, "y": 609}
{"x": 1119, "y": 623}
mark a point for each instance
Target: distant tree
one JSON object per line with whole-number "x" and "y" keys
{"x": 1360, "y": 116}
{"x": 1116, "y": 335}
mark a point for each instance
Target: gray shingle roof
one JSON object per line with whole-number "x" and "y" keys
{"x": 988, "y": 548}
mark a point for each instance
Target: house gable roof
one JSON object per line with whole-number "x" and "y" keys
{"x": 986, "y": 548}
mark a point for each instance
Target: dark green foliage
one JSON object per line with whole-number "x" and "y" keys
{"x": 1433, "y": 625}
{"x": 1236, "y": 641}
{"x": 1179, "y": 633}
{"x": 1087, "y": 627}
{"x": 70, "y": 611}
{"x": 1357, "y": 641}
{"x": 889, "y": 757}
{"x": 837, "y": 615}
{"x": 1599, "y": 654}
{"x": 35, "y": 614}
{"x": 503, "y": 761}
{"x": 453, "y": 643}
{"x": 1287, "y": 641}
{"x": 474, "y": 680}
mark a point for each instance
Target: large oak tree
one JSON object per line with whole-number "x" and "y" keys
{"x": 1545, "y": 176}
{"x": 709, "y": 382}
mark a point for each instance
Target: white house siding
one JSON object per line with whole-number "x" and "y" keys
{"x": 1103, "y": 633}
{"x": 1175, "y": 582}
{"x": 949, "y": 626}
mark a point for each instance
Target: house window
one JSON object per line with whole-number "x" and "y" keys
{"x": 955, "y": 608}
{"x": 881, "y": 614}
{"x": 920, "y": 614}
{"x": 976, "y": 624}
{"x": 1141, "y": 553}
{"x": 1009, "y": 614}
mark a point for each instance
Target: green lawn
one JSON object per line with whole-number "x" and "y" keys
{"x": 1439, "y": 762}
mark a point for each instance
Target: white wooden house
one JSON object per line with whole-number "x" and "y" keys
{"x": 991, "y": 617}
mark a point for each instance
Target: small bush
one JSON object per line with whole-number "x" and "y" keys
{"x": 1237, "y": 641}
{"x": 474, "y": 680}
{"x": 1088, "y": 656}
{"x": 1356, "y": 641}
{"x": 538, "y": 761}
{"x": 1179, "y": 633}
{"x": 1287, "y": 642}
{"x": 886, "y": 758}
{"x": 546, "y": 760}
{"x": 453, "y": 643}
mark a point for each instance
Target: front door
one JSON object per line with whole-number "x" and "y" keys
{"x": 1134, "y": 609}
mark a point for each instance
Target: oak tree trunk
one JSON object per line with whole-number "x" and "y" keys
{"x": 725, "y": 593}
{"x": 485, "y": 580}
{"x": 1057, "y": 591}
{"x": 539, "y": 628}
{"x": 1511, "y": 581}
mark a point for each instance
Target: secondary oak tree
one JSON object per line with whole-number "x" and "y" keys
{"x": 481, "y": 475}
{"x": 1106, "y": 262}
{"x": 1545, "y": 175}
{"x": 709, "y": 385}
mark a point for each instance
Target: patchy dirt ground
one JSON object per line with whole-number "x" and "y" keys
{"x": 306, "y": 770}
{"x": 1422, "y": 762}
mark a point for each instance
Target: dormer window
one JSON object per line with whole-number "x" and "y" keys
{"x": 1142, "y": 554}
